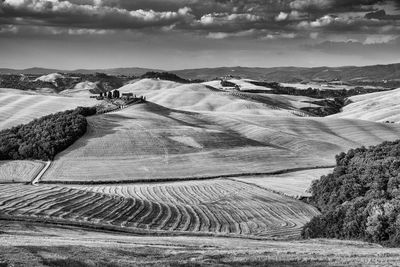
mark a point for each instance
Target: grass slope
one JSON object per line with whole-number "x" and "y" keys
{"x": 293, "y": 184}
{"x": 150, "y": 142}
{"x": 382, "y": 106}
{"x": 17, "y": 107}
{"x": 19, "y": 171}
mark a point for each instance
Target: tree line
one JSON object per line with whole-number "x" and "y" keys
{"x": 313, "y": 92}
{"x": 44, "y": 137}
{"x": 360, "y": 199}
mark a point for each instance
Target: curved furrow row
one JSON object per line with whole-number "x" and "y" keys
{"x": 57, "y": 205}
{"x": 122, "y": 207}
{"x": 65, "y": 207}
{"x": 43, "y": 203}
{"x": 129, "y": 210}
{"x": 173, "y": 220}
{"x": 19, "y": 203}
{"x": 144, "y": 211}
{"x": 154, "y": 211}
{"x": 91, "y": 209}
{"x": 17, "y": 194}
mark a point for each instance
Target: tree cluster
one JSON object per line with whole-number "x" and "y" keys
{"x": 313, "y": 92}
{"x": 164, "y": 76}
{"x": 44, "y": 137}
{"x": 361, "y": 198}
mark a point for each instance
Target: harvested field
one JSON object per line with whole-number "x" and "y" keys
{"x": 293, "y": 184}
{"x": 203, "y": 98}
{"x": 19, "y": 171}
{"x": 381, "y": 106}
{"x": 150, "y": 142}
{"x": 18, "y": 108}
{"x": 216, "y": 207}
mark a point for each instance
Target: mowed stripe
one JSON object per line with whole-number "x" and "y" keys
{"x": 240, "y": 210}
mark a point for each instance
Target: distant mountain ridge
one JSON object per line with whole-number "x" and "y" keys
{"x": 278, "y": 74}
{"x": 112, "y": 71}
{"x": 295, "y": 74}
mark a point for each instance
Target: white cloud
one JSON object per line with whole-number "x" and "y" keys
{"x": 379, "y": 39}
{"x": 282, "y": 16}
{"x": 224, "y": 35}
{"x": 304, "y": 4}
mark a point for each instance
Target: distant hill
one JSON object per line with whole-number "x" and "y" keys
{"x": 115, "y": 71}
{"x": 295, "y": 74}
{"x": 278, "y": 74}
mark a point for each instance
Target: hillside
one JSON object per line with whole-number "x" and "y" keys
{"x": 112, "y": 71}
{"x": 18, "y": 106}
{"x": 382, "y": 106}
{"x": 205, "y": 98}
{"x": 293, "y": 74}
{"x": 150, "y": 142}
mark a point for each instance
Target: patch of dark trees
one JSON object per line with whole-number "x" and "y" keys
{"x": 18, "y": 82}
{"x": 168, "y": 77}
{"x": 326, "y": 107}
{"x": 44, "y": 137}
{"x": 312, "y": 92}
{"x": 360, "y": 199}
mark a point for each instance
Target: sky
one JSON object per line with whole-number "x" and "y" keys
{"x": 179, "y": 34}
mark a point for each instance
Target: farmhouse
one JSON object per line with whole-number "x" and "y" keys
{"x": 127, "y": 96}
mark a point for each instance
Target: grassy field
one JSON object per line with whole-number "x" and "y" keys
{"x": 150, "y": 142}
{"x": 294, "y": 184}
{"x": 221, "y": 207}
{"x": 19, "y": 171}
{"x": 203, "y": 98}
{"x": 382, "y": 106}
{"x": 26, "y": 244}
{"x": 18, "y": 107}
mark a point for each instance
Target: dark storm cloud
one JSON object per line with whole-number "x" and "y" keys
{"x": 266, "y": 19}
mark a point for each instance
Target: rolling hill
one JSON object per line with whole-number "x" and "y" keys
{"x": 150, "y": 142}
{"x": 380, "y": 107}
{"x": 17, "y": 106}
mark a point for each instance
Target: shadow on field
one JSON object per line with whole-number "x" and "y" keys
{"x": 224, "y": 138}
{"x": 98, "y": 126}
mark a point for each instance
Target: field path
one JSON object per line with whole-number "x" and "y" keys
{"x": 36, "y": 180}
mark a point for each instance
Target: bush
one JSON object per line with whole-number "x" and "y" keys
{"x": 361, "y": 198}
{"x": 43, "y": 138}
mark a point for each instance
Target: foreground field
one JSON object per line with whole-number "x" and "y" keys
{"x": 151, "y": 142}
{"x": 220, "y": 207}
{"x": 25, "y": 244}
{"x": 19, "y": 171}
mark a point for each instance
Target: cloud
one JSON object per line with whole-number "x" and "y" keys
{"x": 54, "y": 12}
{"x": 214, "y": 19}
{"x": 310, "y": 4}
{"x": 282, "y": 16}
{"x": 225, "y": 35}
{"x": 379, "y": 39}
